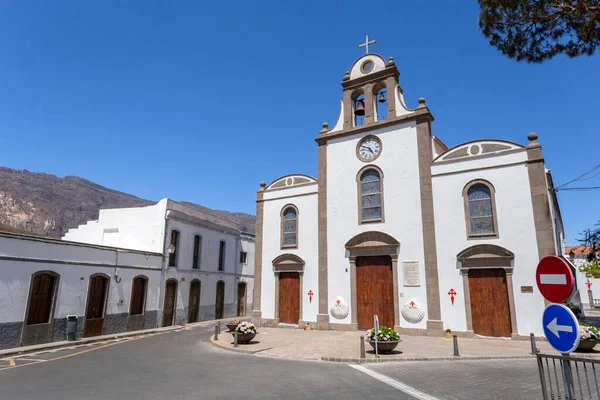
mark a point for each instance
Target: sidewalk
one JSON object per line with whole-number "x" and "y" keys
{"x": 345, "y": 347}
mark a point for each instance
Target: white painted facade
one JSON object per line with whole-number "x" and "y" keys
{"x": 522, "y": 232}
{"x": 149, "y": 228}
{"x": 74, "y": 263}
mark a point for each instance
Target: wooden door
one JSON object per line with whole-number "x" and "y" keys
{"x": 220, "y": 300}
{"x": 289, "y": 297}
{"x": 241, "y": 293}
{"x": 135, "y": 322}
{"x": 489, "y": 302}
{"x": 170, "y": 301}
{"x": 194, "y": 301}
{"x": 38, "y": 326}
{"x": 375, "y": 291}
{"x": 96, "y": 304}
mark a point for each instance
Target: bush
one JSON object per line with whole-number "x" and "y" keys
{"x": 246, "y": 327}
{"x": 385, "y": 335}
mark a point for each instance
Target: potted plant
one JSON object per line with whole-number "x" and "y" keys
{"x": 231, "y": 325}
{"x": 588, "y": 337}
{"x": 448, "y": 333}
{"x": 246, "y": 331}
{"x": 387, "y": 339}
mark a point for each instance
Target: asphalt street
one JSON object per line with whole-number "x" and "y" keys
{"x": 184, "y": 365}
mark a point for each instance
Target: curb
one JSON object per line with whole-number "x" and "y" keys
{"x": 58, "y": 345}
{"x": 352, "y": 360}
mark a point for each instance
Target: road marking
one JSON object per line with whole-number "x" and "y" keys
{"x": 95, "y": 348}
{"x": 394, "y": 383}
{"x": 553, "y": 279}
{"x": 12, "y": 362}
{"x": 31, "y": 359}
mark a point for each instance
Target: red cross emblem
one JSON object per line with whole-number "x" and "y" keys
{"x": 589, "y": 284}
{"x": 452, "y": 293}
{"x": 412, "y": 304}
{"x": 310, "y": 295}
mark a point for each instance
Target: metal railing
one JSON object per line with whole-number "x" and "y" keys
{"x": 569, "y": 378}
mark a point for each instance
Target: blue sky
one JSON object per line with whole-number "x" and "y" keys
{"x": 200, "y": 101}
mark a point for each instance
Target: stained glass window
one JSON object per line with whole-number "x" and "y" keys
{"x": 290, "y": 225}
{"x": 480, "y": 210}
{"x": 370, "y": 185}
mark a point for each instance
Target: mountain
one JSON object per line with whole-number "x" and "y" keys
{"x": 46, "y": 205}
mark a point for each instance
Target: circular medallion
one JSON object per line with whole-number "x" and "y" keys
{"x": 369, "y": 148}
{"x": 339, "y": 309}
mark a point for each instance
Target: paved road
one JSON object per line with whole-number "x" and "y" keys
{"x": 183, "y": 365}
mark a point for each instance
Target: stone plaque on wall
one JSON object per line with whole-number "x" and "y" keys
{"x": 410, "y": 273}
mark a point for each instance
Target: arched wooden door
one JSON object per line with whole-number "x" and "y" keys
{"x": 289, "y": 297}
{"x": 194, "y": 305}
{"x": 170, "y": 302}
{"x": 374, "y": 291}
{"x": 138, "y": 303}
{"x": 96, "y": 306}
{"x": 39, "y": 320}
{"x": 241, "y": 297}
{"x": 220, "y": 300}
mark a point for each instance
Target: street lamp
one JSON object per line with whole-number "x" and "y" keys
{"x": 171, "y": 249}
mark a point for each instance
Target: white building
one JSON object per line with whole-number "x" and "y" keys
{"x": 398, "y": 225}
{"x": 578, "y": 256}
{"x": 208, "y": 266}
{"x": 43, "y": 280}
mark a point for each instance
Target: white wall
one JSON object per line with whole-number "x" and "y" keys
{"x": 516, "y": 233}
{"x": 20, "y": 257}
{"x": 306, "y": 203}
{"x": 402, "y": 208}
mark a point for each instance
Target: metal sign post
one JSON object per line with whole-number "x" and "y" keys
{"x": 376, "y": 329}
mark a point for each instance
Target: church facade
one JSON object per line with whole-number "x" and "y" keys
{"x": 400, "y": 226}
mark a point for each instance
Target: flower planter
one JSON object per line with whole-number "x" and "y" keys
{"x": 586, "y": 344}
{"x": 244, "y": 337}
{"x": 384, "y": 347}
{"x": 231, "y": 327}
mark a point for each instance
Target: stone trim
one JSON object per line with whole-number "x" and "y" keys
{"x": 275, "y": 189}
{"x": 293, "y": 196}
{"x": 492, "y": 190}
{"x": 323, "y": 291}
{"x": 343, "y": 327}
{"x": 419, "y": 113}
{"x": 501, "y": 141}
{"x": 77, "y": 263}
{"x": 487, "y": 256}
{"x": 359, "y": 194}
{"x": 52, "y": 307}
{"x": 372, "y": 244}
{"x": 435, "y": 326}
{"x": 476, "y": 157}
{"x": 258, "y": 249}
{"x": 281, "y": 178}
{"x": 281, "y": 235}
{"x": 540, "y": 198}
{"x": 479, "y": 168}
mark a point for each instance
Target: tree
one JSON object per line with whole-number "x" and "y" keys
{"x": 591, "y": 240}
{"x": 537, "y": 30}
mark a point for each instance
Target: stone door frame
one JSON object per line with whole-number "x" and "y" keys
{"x": 488, "y": 256}
{"x": 367, "y": 244}
{"x": 286, "y": 263}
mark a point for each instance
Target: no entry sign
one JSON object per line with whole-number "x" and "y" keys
{"x": 554, "y": 279}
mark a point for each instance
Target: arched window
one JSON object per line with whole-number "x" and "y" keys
{"x": 289, "y": 226}
{"x": 370, "y": 195}
{"x": 480, "y": 209}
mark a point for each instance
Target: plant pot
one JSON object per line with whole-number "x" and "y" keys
{"x": 231, "y": 327}
{"x": 586, "y": 344}
{"x": 245, "y": 337}
{"x": 384, "y": 347}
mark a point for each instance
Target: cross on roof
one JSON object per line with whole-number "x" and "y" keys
{"x": 367, "y": 43}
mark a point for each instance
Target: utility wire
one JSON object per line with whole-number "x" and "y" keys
{"x": 580, "y": 177}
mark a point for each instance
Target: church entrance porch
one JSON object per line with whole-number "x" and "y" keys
{"x": 489, "y": 302}
{"x": 375, "y": 291}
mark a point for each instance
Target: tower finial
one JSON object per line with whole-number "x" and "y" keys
{"x": 367, "y": 43}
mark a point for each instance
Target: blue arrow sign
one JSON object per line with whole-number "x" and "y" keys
{"x": 561, "y": 328}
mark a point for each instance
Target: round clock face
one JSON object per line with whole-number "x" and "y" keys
{"x": 369, "y": 148}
